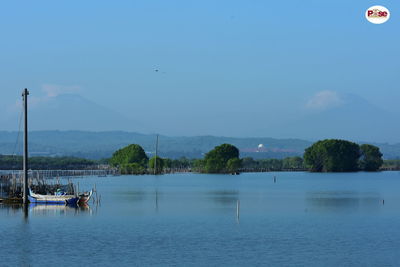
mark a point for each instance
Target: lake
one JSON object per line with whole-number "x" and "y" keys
{"x": 302, "y": 219}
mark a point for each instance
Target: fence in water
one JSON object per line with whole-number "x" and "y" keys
{"x": 44, "y": 181}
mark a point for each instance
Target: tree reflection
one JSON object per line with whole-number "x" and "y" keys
{"x": 343, "y": 200}
{"x": 224, "y": 197}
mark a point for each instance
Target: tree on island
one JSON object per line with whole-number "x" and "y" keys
{"x": 131, "y": 159}
{"x": 332, "y": 155}
{"x": 216, "y": 160}
{"x": 371, "y": 158}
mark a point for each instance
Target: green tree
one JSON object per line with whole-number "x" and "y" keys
{"x": 270, "y": 164}
{"x": 168, "y": 163}
{"x": 292, "y": 163}
{"x": 160, "y": 164}
{"x": 233, "y": 164}
{"x": 249, "y": 163}
{"x": 332, "y": 155}
{"x": 392, "y": 164}
{"x": 198, "y": 165}
{"x": 132, "y": 168}
{"x": 129, "y": 154}
{"x": 371, "y": 158}
{"x": 216, "y": 160}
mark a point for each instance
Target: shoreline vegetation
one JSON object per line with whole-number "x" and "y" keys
{"x": 329, "y": 155}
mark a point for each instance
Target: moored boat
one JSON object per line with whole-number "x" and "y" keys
{"x": 52, "y": 199}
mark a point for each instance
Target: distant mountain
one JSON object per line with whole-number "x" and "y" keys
{"x": 349, "y": 117}
{"x": 327, "y": 114}
{"x": 73, "y": 112}
{"x": 96, "y": 145}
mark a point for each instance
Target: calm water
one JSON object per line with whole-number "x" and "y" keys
{"x": 190, "y": 219}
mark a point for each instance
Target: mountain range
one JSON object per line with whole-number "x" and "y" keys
{"x": 71, "y": 111}
{"x": 327, "y": 114}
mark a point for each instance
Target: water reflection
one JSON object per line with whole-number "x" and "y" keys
{"x": 343, "y": 200}
{"x": 135, "y": 196}
{"x": 163, "y": 201}
{"x": 138, "y": 196}
{"x": 156, "y": 200}
{"x": 10, "y": 208}
{"x": 57, "y": 209}
{"x": 224, "y": 197}
{"x": 40, "y": 209}
{"x": 25, "y": 250}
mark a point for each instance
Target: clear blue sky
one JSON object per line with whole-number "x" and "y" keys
{"x": 256, "y": 60}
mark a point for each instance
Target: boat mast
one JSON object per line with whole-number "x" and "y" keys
{"x": 25, "y": 94}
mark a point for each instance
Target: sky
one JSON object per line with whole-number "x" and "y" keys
{"x": 233, "y": 68}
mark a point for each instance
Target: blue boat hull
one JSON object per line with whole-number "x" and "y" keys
{"x": 71, "y": 201}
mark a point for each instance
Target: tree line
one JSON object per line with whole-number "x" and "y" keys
{"x": 133, "y": 160}
{"x": 330, "y": 155}
{"x": 47, "y": 163}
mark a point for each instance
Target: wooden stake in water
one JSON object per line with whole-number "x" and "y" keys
{"x": 95, "y": 190}
{"x": 238, "y": 209}
{"x": 155, "y": 160}
{"x": 157, "y": 200}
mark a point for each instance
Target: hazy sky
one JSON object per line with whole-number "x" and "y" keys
{"x": 252, "y": 60}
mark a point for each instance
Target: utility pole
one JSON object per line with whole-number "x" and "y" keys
{"x": 25, "y": 94}
{"x": 155, "y": 159}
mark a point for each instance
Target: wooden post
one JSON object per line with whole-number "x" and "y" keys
{"x": 97, "y": 197}
{"x": 238, "y": 209}
{"x": 155, "y": 159}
